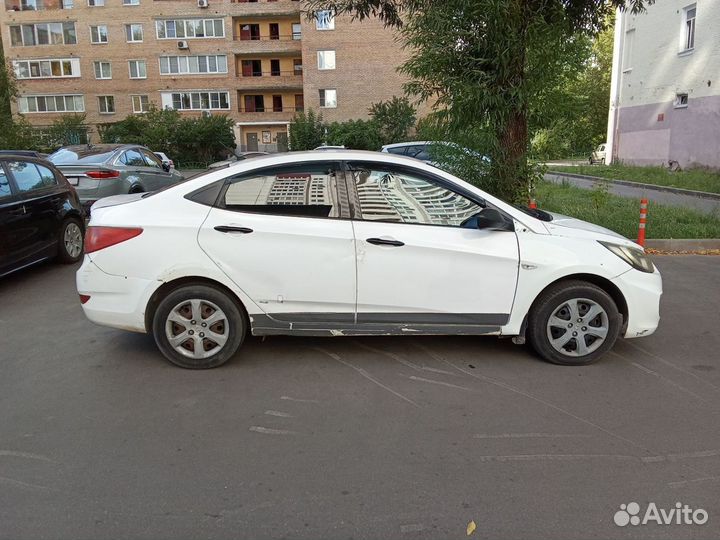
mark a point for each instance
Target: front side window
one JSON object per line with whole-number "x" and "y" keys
{"x": 151, "y": 160}
{"x": 134, "y": 33}
{"x": 308, "y": 190}
{"x": 98, "y": 34}
{"x": 326, "y": 59}
{"x": 325, "y": 20}
{"x": 133, "y": 158}
{"x": 396, "y": 195}
{"x": 4, "y": 184}
{"x": 328, "y": 98}
{"x": 31, "y": 177}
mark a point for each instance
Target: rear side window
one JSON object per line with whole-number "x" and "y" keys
{"x": 398, "y": 150}
{"x": 4, "y": 184}
{"x": 308, "y": 190}
{"x": 31, "y": 177}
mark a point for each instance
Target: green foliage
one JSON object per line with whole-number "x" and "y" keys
{"x": 66, "y": 130}
{"x": 355, "y": 134}
{"x": 183, "y": 139}
{"x": 394, "y": 119}
{"x": 307, "y": 131}
{"x": 621, "y": 215}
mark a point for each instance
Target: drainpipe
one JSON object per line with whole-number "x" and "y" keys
{"x": 615, "y": 78}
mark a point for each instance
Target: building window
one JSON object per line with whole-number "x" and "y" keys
{"x": 28, "y": 35}
{"x": 190, "y": 28}
{"x": 326, "y": 59}
{"x": 681, "y": 101}
{"x": 296, "y": 31}
{"x": 325, "y": 20}
{"x": 96, "y": 3}
{"x": 688, "y": 29}
{"x": 41, "y": 104}
{"x": 138, "y": 69}
{"x": 190, "y": 65}
{"x": 106, "y": 104}
{"x": 102, "y": 70}
{"x": 196, "y": 101}
{"x": 98, "y": 34}
{"x": 628, "y": 50}
{"x": 140, "y": 104}
{"x": 134, "y": 33}
{"x": 328, "y": 98}
{"x": 47, "y": 69}
{"x": 131, "y": 2}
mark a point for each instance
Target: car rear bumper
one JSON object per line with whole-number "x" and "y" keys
{"x": 115, "y": 301}
{"x": 642, "y": 292}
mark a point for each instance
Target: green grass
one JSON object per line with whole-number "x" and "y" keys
{"x": 622, "y": 215}
{"x": 697, "y": 179}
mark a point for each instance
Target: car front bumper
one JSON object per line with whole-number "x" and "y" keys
{"x": 642, "y": 292}
{"x": 115, "y": 301}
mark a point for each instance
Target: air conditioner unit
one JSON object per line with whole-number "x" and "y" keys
{"x": 183, "y": 44}
{"x": 202, "y": 3}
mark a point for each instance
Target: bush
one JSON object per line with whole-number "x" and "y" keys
{"x": 307, "y": 131}
{"x": 394, "y": 118}
{"x": 355, "y": 134}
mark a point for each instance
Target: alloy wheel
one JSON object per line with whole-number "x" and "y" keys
{"x": 577, "y": 327}
{"x": 197, "y": 328}
{"x": 73, "y": 240}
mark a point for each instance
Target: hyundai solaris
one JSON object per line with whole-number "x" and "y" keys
{"x": 340, "y": 243}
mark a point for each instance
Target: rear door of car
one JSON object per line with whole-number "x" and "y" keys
{"x": 283, "y": 235}
{"x": 13, "y": 220}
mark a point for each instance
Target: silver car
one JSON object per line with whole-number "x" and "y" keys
{"x": 101, "y": 170}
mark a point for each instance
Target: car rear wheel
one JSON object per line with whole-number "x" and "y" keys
{"x": 573, "y": 323}
{"x": 136, "y": 189}
{"x": 198, "y": 327}
{"x": 70, "y": 241}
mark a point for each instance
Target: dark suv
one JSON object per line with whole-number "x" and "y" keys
{"x": 40, "y": 214}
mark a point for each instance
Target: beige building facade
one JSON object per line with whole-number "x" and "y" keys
{"x": 258, "y": 62}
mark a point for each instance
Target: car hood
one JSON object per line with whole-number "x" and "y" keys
{"x": 115, "y": 200}
{"x": 562, "y": 225}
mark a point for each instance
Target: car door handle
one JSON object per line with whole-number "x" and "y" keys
{"x": 385, "y": 242}
{"x": 232, "y": 229}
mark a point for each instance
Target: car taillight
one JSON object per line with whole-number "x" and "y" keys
{"x": 84, "y": 298}
{"x": 97, "y": 238}
{"x": 102, "y": 174}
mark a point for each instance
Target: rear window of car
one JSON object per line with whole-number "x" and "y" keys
{"x": 90, "y": 156}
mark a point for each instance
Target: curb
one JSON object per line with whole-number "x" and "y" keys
{"x": 683, "y": 244}
{"x": 650, "y": 187}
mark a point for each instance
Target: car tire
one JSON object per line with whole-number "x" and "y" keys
{"x": 71, "y": 241}
{"x": 573, "y": 323}
{"x": 210, "y": 321}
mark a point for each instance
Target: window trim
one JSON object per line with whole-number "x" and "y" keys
{"x": 330, "y": 18}
{"x": 103, "y": 98}
{"x": 132, "y": 103}
{"x": 324, "y": 99}
{"x": 321, "y": 54}
{"x": 684, "y": 34}
{"x": 184, "y": 20}
{"x": 130, "y": 76}
{"x": 99, "y": 63}
{"x": 64, "y": 96}
{"x": 128, "y": 27}
{"x": 74, "y": 62}
{"x": 677, "y": 103}
{"x": 107, "y": 34}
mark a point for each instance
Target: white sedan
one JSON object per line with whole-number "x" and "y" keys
{"x": 356, "y": 243}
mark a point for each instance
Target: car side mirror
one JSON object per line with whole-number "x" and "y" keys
{"x": 166, "y": 167}
{"x": 489, "y": 218}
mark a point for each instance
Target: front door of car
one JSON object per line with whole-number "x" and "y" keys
{"x": 284, "y": 237}
{"x": 13, "y": 221}
{"x": 133, "y": 167}
{"x": 416, "y": 263}
{"x": 156, "y": 177}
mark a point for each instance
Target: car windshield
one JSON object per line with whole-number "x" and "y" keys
{"x": 92, "y": 156}
{"x": 534, "y": 212}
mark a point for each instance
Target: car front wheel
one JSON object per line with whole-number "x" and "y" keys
{"x": 573, "y": 323}
{"x": 198, "y": 327}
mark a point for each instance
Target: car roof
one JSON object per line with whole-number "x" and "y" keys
{"x": 90, "y": 149}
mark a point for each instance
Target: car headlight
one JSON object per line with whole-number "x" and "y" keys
{"x": 634, "y": 257}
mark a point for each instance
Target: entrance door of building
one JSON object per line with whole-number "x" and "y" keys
{"x": 252, "y": 142}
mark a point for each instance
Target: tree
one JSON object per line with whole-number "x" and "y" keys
{"x": 307, "y": 131}
{"x": 8, "y": 88}
{"x": 483, "y": 62}
{"x": 355, "y": 134}
{"x": 394, "y": 118}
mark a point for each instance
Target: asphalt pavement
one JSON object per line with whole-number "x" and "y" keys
{"x": 313, "y": 438}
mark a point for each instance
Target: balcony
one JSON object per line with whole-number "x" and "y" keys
{"x": 269, "y": 81}
{"x": 262, "y": 8}
{"x": 268, "y": 114}
{"x": 258, "y": 45}
{"x": 37, "y": 5}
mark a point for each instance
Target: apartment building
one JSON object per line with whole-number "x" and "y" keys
{"x": 665, "y": 95}
{"x": 257, "y": 61}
